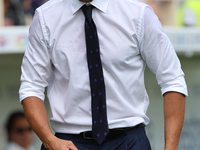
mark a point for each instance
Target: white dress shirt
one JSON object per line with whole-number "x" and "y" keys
{"x": 130, "y": 36}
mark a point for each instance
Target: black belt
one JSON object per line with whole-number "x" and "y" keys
{"x": 112, "y": 132}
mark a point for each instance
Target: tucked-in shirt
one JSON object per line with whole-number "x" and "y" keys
{"x": 130, "y": 36}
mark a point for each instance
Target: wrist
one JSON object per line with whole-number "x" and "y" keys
{"x": 171, "y": 147}
{"x": 171, "y": 143}
{"x": 48, "y": 141}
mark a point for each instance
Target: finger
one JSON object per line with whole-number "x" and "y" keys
{"x": 72, "y": 146}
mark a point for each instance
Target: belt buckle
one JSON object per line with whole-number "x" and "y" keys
{"x": 86, "y": 137}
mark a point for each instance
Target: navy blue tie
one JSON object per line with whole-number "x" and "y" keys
{"x": 97, "y": 85}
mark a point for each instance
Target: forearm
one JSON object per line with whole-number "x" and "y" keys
{"x": 36, "y": 115}
{"x": 174, "y": 110}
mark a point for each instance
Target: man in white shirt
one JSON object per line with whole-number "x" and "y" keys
{"x": 130, "y": 36}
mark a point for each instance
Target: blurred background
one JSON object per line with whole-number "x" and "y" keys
{"x": 181, "y": 22}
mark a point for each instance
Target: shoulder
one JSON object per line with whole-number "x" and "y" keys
{"x": 130, "y": 3}
{"x": 133, "y": 7}
{"x": 52, "y": 6}
{"x": 50, "y": 12}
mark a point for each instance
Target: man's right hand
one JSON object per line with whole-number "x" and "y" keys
{"x": 59, "y": 144}
{"x": 36, "y": 115}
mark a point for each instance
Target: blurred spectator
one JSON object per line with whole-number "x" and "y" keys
{"x": 8, "y": 21}
{"x": 29, "y": 7}
{"x": 13, "y": 12}
{"x": 26, "y": 4}
{"x": 28, "y": 11}
{"x": 20, "y": 134}
{"x": 20, "y": 12}
{"x": 189, "y": 13}
{"x": 156, "y": 7}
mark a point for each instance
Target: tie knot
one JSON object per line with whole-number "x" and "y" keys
{"x": 87, "y": 10}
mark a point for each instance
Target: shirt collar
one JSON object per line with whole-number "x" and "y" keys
{"x": 100, "y": 4}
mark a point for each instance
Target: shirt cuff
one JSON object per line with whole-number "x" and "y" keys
{"x": 176, "y": 85}
{"x": 28, "y": 89}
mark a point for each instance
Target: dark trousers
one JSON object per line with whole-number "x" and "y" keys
{"x": 134, "y": 139}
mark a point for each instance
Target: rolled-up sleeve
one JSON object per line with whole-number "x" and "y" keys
{"x": 159, "y": 54}
{"x": 36, "y": 64}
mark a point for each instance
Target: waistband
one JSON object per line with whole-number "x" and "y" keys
{"x": 112, "y": 132}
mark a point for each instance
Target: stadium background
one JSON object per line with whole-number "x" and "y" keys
{"x": 186, "y": 41}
